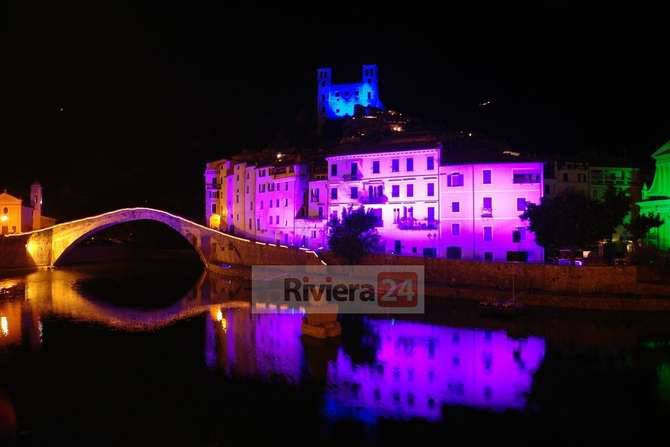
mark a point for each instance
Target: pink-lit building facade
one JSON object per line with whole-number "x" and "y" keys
{"x": 423, "y": 208}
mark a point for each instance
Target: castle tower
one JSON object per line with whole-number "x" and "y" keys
{"x": 370, "y": 78}
{"x": 36, "y": 204}
{"x": 324, "y": 79}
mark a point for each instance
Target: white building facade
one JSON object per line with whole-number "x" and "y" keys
{"x": 422, "y": 208}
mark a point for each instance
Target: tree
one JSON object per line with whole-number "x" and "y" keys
{"x": 354, "y": 236}
{"x": 640, "y": 225}
{"x": 571, "y": 220}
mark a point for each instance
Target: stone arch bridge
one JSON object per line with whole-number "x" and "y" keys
{"x": 45, "y": 247}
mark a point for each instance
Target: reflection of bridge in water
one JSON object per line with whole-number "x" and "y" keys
{"x": 411, "y": 369}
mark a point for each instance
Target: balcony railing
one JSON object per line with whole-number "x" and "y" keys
{"x": 409, "y": 223}
{"x": 487, "y": 212}
{"x": 366, "y": 199}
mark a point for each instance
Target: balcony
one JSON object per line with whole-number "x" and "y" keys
{"x": 409, "y": 223}
{"x": 368, "y": 200}
{"x": 487, "y": 212}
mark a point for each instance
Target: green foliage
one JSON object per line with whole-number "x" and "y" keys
{"x": 571, "y": 220}
{"x": 639, "y": 226}
{"x": 354, "y": 236}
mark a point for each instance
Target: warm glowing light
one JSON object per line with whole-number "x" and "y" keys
{"x": 224, "y": 324}
{"x": 219, "y": 315}
{"x": 4, "y": 326}
{"x": 215, "y": 221}
{"x": 30, "y": 247}
{"x": 4, "y": 218}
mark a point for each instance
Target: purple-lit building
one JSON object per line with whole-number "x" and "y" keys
{"x": 423, "y": 208}
{"x": 481, "y": 205}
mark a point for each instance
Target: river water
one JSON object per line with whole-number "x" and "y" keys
{"x": 168, "y": 355}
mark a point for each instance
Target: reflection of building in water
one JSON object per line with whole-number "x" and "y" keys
{"x": 263, "y": 346}
{"x": 19, "y": 325}
{"x": 418, "y": 367}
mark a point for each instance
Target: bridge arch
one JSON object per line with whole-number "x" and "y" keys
{"x": 68, "y": 236}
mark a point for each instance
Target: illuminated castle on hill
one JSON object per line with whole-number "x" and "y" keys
{"x": 335, "y": 101}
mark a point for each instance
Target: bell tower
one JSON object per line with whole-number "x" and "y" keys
{"x": 36, "y": 204}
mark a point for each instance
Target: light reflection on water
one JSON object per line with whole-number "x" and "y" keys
{"x": 414, "y": 369}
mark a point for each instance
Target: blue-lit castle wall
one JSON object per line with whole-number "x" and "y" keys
{"x": 336, "y": 101}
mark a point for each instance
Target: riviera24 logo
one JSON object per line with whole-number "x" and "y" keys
{"x": 354, "y": 289}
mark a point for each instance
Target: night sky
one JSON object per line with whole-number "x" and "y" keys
{"x": 112, "y": 105}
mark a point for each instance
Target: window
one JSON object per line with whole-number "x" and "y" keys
{"x": 397, "y": 247}
{"x": 315, "y": 194}
{"x": 455, "y": 207}
{"x": 354, "y": 170}
{"x": 517, "y": 256}
{"x": 565, "y": 176}
{"x": 487, "y": 207}
{"x": 377, "y": 213}
{"x": 488, "y": 256}
{"x": 430, "y": 163}
{"x": 313, "y": 234}
{"x": 429, "y": 252}
{"x": 529, "y": 177}
{"x": 277, "y": 220}
{"x": 354, "y": 192}
{"x": 521, "y": 204}
{"x": 455, "y": 179}
{"x": 285, "y": 202}
{"x": 375, "y": 167}
{"x": 516, "y": 236}
{"x": 247, "y": 189}
{"x": 487, "y": 177}
{"x": 320, "y": 212}
{"x": 270, "y": 203}
{"x": 410, "y": 164}
{"x": 333, "y": 170}
{"x": 410, "y": 190}
{"x": 431, "y": 214}
{"x": 453, "y": 252}
{"x": 455, "y": 229}
{"x": 237, "y": 198}
{"x": 261, "y": 204}
{"x": 213, "y": 209}
{"x": 395, "y": 165}
{"x": 333, "y": 193}
{"x": 250, "y": 224}
{"x": 258, "y": 224}
{"x": 431, "y": 189}
{"x": 286, "y": 186}
{"x": 547, "y": 189}
{"x": 395, "y": 191}
{"x": 488, "y": 234}
{"x": 270, "y": 220}
{"x": 277, "y": 203}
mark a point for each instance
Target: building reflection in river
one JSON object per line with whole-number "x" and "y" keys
{"x": 417, "y": 368}
{"x": 412, "y": 369}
